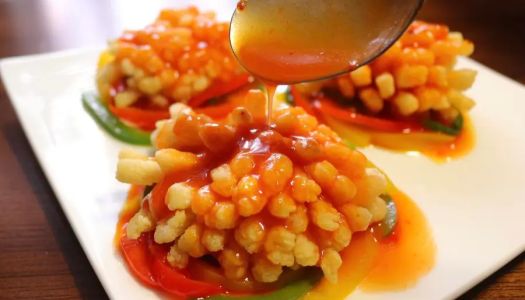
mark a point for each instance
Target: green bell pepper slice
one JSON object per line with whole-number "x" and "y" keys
{"x": 101, "y": 114}
{"x": 454, "y": 129}
{"x": 389, "y": 222}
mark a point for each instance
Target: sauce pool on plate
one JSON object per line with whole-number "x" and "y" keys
{"x": 376, "y": 265}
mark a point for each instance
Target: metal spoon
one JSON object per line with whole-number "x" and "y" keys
{"x": 290, "y": 41}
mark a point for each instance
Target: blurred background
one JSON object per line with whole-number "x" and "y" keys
{"x": 43, "y": 258}
{"x": 33, "y": 26}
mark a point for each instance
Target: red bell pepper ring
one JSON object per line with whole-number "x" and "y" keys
{"x": 174, "y": 282}
{"x": 137, "y": 257}
{"x": 327, "y": 106}
{"x": 147, "y": 261}
{"x": 219, "y": 89}
{"x": 157, "y": 206}
{"x": 142, "y": 118}
{"x": 217, "y": 111}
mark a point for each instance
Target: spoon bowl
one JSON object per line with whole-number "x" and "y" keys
{"x": 291, "y": 41}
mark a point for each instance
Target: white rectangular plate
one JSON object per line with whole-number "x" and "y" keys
{"x": 474, "y": 204}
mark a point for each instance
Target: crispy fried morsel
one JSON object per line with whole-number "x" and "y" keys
{"x": 177, "y": 258}
{"x": 281, "y": 205}
{"x": 213, "y": 239}
{"x": 324, "y": 215}
{"x": 264, "y": 270}
{"x": 308, "y": 149}
{"x": 358, "y": 218}
{"x": 306, "y": 251}
{"x": 305, "y": 189}
{"x": 172, "y": 160}
{"x": 190, "y": 241}
{"x": 203, "y": 201}
{"x": 247, "y": 196}
{"x": 234, "y": 261}
{"x": 330, "y": 262}
{"x": 250, "y": 234}
{"x": 323, "y": 173}
{"x": 337, "y": 239}
{"x": 179, "y": 196}
{"x": 138, "y": 171}
{"x": 279, "y": 245}
{"x": 139, "y": 223}
{"x": 223, "y": 180}
{"x": 131, "y": 153}
{"x": 222, "y": 215}
{"x": 298, "y": 221}
{"x": 378, "y": 209}
{"x": 369, "y": 187}
{"x": 276, "y": 172}
{"x": 242, "y": 165}
{"x": 168, "y": 231}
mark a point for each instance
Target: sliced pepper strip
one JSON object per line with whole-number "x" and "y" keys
{"x": 217, "y": 111}
{"x": 142, "y": 118}
{"x": 454, "y": 129}
{"x": 157, "y": 206}
{"x": 325, "y": 105}
{"x": 147, "y": 261}
{"x": 389, "y": 222}
{"x": 176, "y": 283}
{"x": 293, "y": 291}
{"x": 219, "y": 89}
{"x": 100, "y": 113}
{"x": 136, "y": 254}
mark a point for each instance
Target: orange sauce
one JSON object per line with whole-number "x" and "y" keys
{"x": 299, "y": 40}
{"x": 270, "y": 93}
{"x": 358, "y": 259}
{"x": 394, "y": 263}
{"x": 405, "y": 256}
{"x": 461, "y": 146}
{"x": 269, "y": 37}
{"x": 131, "y": 206}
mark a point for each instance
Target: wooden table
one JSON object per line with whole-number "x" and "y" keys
{"x": 40, "y": 257}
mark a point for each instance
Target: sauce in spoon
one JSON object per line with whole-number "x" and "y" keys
{"x": 290, "y": 41}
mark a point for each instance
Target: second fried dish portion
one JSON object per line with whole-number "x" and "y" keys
{"x": 412, "y": 90}
{"x": 257, "y": 200}
{"x": 183, "y": 56}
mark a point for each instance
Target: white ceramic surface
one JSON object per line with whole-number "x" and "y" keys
{"x": 475, "y": 204}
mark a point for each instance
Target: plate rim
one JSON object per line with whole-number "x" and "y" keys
{"x": 5, "y": 74}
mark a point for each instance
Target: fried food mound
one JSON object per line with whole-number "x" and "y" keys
{"x": 258, "y": 198}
